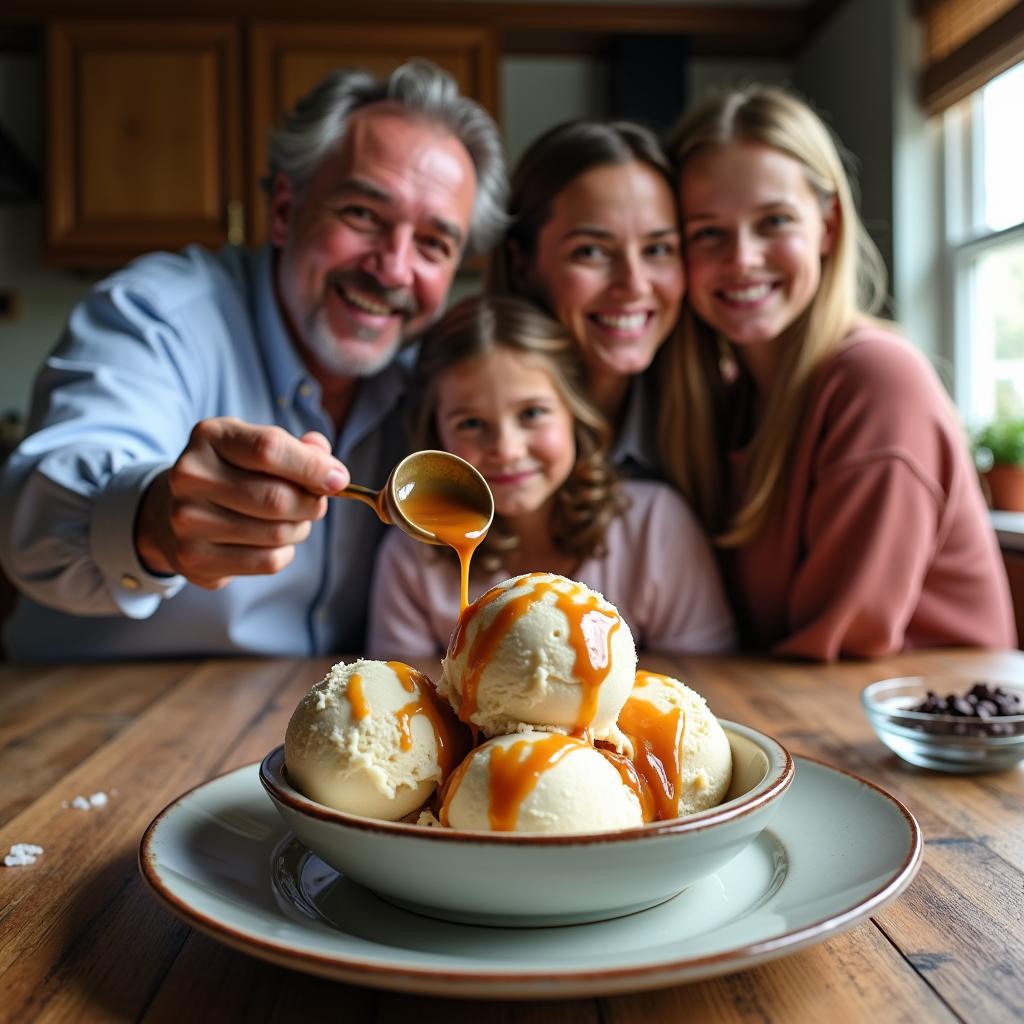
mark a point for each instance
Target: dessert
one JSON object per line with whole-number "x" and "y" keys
{"x": 538, "y": 782}
{"x": 680, "y": 752}
{"x": 372, "y": 738}
{"x": 540, "y": 652}
{"x": 572, "y": 738}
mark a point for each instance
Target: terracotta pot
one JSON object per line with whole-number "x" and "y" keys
{"x": 1006, "y": 487}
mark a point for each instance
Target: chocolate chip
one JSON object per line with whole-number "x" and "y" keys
{"x": 984, "y": 704}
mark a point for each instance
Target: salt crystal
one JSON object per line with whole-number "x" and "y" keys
{"x": 22, "y": 854}
{"x": 81, "y": 804}
{"x": 98, "y": 799}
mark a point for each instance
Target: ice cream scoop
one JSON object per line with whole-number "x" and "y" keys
{"x": 538, "y": 782}
{"x": 680, "y": 751}
{"x": 540, "y": 651}
{"x": 372, "y": 738}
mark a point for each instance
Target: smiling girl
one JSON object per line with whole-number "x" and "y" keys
{"x": 500, "y": 384}
{"x": 821, "y": 451}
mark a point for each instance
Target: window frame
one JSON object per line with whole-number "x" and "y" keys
{"x": 967, "y": 239}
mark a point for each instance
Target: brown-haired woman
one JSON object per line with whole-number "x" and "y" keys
{"x": 594, "y": 240}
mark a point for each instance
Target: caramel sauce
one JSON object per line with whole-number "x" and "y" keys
{"x": 633, "y": 780}
{"x": 514, "y": 773}
{"x": 450, "y": 742}
{"x": 356, "y": 697}
{"x": 460, "y": 528}
{"x": 590, "y": 633}
{"x": 657, "y": 739}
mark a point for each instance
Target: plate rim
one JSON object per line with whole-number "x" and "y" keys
{"x": 468, "y": 982}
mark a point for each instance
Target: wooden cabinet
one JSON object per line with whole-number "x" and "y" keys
{"x": 145, "y": 144}
{"x": 156, "y": 140}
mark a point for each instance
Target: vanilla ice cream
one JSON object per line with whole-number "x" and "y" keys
{"x": 372, "y": 738}
{"x": 539, "y": 782}
{"x": 540, "y": 652}
{"x": 679, "y": 749}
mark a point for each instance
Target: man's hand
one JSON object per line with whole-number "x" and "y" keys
{"x": 237, "y": 501}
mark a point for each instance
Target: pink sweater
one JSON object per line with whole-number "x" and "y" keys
{"x": 883, "y": 542}
{"x": 659, "y": 573}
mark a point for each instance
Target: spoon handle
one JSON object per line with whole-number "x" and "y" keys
{"x": 367, "y": 495}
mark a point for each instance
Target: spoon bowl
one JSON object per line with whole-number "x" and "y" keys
{"x": 431, "y": 495}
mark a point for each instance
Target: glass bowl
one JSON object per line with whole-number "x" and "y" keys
{"x": 527, "y": 879}
{"x": 947, "y": 743}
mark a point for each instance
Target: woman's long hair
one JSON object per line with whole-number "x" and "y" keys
{"x": 853, "y": 281}
{"x": 591, "y": 496}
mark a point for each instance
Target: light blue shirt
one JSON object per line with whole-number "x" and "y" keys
{"x": 153, "y": 349}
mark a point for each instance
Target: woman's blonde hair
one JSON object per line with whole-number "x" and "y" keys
{"x": 591, "y": 497}
{"x": 853, "y": 282}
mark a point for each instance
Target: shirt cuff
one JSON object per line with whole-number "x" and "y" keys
{"x": 135, "y": 590}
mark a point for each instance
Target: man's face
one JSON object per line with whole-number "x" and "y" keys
{"x": 369, "y": 248}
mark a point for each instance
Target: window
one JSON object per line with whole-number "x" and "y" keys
{"x": 985, "y": 233}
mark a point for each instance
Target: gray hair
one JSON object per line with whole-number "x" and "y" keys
{"x": 318, "y": 122}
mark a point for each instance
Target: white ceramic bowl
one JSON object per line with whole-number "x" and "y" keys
{"x": 511, "y": 879}
{"x": 946, "y": 743}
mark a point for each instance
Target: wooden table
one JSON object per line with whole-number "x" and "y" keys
{"x": 82, "y": 938}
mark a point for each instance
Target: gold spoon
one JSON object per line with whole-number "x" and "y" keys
{"x": 433, "y": 496}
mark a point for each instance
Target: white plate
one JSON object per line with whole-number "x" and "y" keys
{"x": 838, "y": 849}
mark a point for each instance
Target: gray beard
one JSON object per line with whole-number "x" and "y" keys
{"x": 343, "y": 361}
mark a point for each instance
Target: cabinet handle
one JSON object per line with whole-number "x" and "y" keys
{"x": 236, "y": 222}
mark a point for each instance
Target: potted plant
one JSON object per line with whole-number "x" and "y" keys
{"x": 999, "y": 456}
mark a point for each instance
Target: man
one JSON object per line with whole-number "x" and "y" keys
{"x": 171, "y": 497}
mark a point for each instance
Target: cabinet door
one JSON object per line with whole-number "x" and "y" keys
{"x": 145, "y": 138}
{"x": 288, "y": 59}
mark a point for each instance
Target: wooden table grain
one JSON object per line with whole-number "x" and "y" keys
{"x": 82, "y": 938}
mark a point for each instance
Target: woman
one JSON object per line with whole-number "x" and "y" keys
{"x": 594, "y": 240}
{"x": 821, "y": 452}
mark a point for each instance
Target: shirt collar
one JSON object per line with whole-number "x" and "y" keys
{"x": 634, "y": 446}
{"x": 291, "y": 381}
{"x": 285, "y": 370}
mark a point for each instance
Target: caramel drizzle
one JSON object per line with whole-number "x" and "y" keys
{"x": 633, "y": 780}
{"x": 429, "y": 704}
{"x": 657, "y": 739}
{"x": 459, "y": 528}
{"x": 590, "y": 635}
{"x": 515, "y": 771}
{"x": 357, "y": 697}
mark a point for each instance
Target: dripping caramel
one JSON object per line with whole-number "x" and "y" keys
{"x": 460, "y": 528}
{"x": 657, "y": 739}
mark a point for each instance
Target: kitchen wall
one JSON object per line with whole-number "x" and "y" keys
{"x": 858, "y": 69}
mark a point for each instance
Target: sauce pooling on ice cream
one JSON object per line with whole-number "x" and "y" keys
{"x": 427, "y": 702}
{"x": 657, "y": 739}
{"x": 591, "y": 625}
{"x": 514, "y": 772}
{"x": 538, "y": 781}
